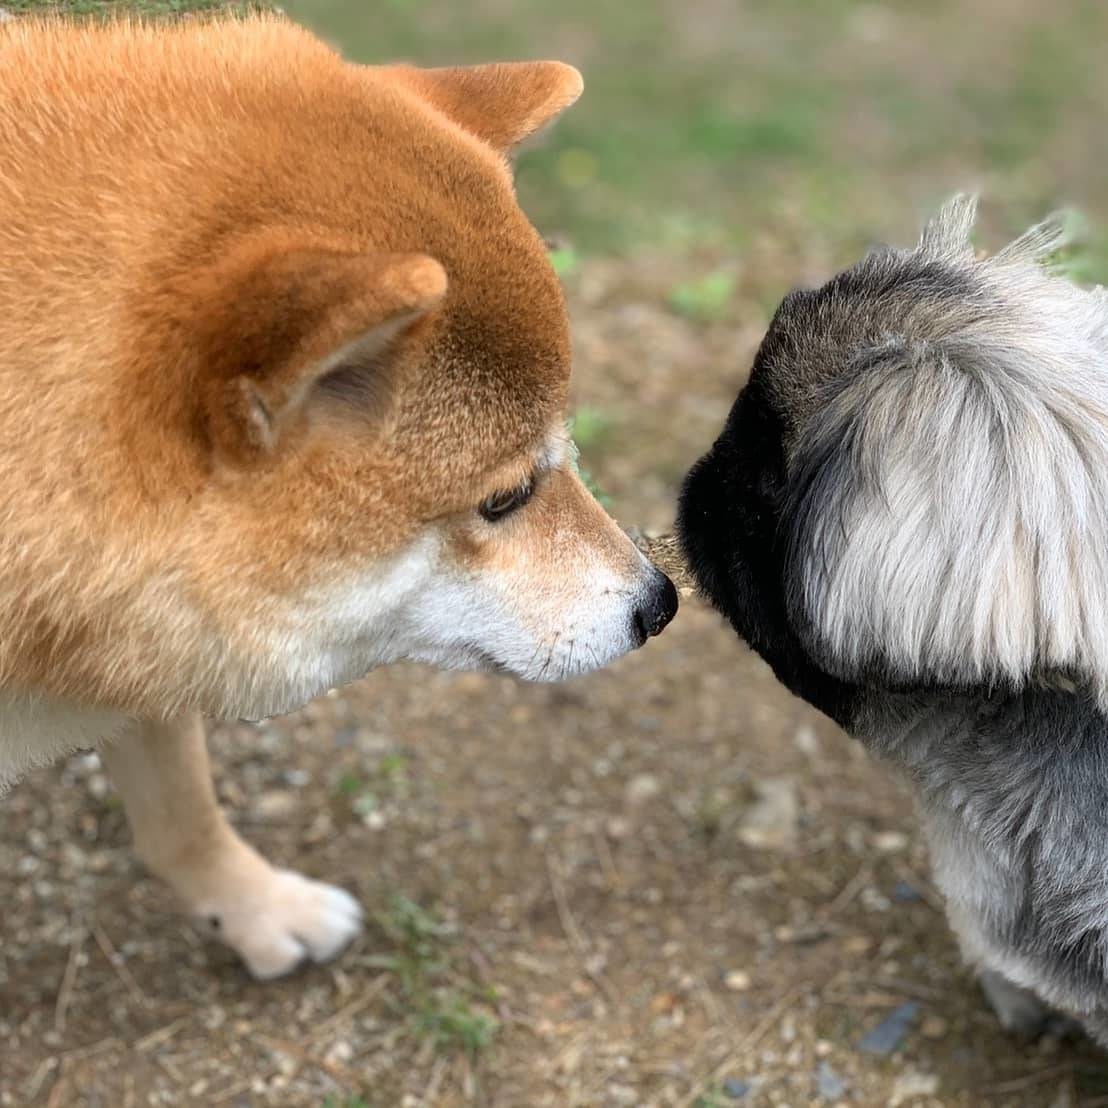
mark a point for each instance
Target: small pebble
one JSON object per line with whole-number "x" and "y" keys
{"x": 912, "y": 1085}
{"x": 808, "y": 933}
{"x": 829, "y": 1084}
{"x": 622, "y": 1094}
{"x": 735, "y": 1089}
{"x": 737, "y": 981}
{"x": 890, "y": 842}
{"x": 642, "y": 789}
{"x": 807, "y": 740}
{"x": 884, "y": 1038}
{"x": 275, "y": 806}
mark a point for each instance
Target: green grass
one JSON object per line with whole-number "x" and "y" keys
{"x": 837, "y": 122}
{"x": 365, "y": 792}
{"x": 589, "y": 429}
{"x": 714, "y": 1098}
{"x": 706, "y": 298}
{"x": 441, "y": 1004}
{"x": 825, "y": 124}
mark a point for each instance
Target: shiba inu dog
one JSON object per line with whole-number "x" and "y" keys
{"x": 283, "y": 370}
{"x": 906, "y": 516}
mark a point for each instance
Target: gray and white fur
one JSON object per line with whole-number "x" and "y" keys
{"x": 907, "y": 516}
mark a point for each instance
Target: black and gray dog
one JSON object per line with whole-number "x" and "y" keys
{"x": 906, "y": 516}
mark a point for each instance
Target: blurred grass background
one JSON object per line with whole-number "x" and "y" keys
{"x": 824, "y": 124}
{"x": 708, "y": 122}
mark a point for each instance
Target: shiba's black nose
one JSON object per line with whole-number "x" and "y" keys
{"x": 659, "y": 607}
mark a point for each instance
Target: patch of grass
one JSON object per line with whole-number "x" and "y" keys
{"x": 387, "y": 781}
{"x": 565, "y": 261}
{"x": 1084, "y": 258}
{"x": 443, "y": 1006}
{"x": 588, "y": 429}
{"x": 706, "y": 298}
{"x": 714, "y": 1098}
{"x": 451, "y": 1021}
{"x": 704, "y": 127}
{"x": 590, "y": 482}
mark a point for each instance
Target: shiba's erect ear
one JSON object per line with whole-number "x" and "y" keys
{"x": 284, "y": 322}
{"x": 503, "y": 103}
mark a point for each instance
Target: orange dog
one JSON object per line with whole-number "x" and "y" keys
{"x": 282, "y": 378}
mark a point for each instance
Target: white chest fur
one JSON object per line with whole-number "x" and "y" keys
{"x": 37, "y": 730}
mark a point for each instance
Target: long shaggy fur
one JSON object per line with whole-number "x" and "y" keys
{"x": 950, "y": 503}
{"x": 906, "y": 515}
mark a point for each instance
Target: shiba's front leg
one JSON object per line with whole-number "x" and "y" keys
{"x": 275, "y": 919}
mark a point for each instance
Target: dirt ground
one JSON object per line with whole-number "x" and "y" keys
{"x": 666, "y": 884}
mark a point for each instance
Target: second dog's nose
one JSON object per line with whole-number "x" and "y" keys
{"x": 658, "y": 608}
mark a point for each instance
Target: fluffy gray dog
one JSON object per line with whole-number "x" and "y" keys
{"x": 906, "y": 515}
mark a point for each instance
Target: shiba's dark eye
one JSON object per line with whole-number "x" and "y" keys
{"x": 502, "y": 504}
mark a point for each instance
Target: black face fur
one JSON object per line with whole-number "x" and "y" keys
{"x": 730, "y": 525}
{"x": 737, "y": 507}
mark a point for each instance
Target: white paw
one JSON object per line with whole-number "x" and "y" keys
{"x": 279, "y": 920}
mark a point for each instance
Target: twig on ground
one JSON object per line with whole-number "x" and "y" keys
{"x": 432, "y": 1089}
{"x": 1029, "y": 1081}
{"x": 69, "y": 980}
{"x": 735, "y": 1058}
{"x": 346, "y": 1077}
{"x": 115, "y": 960}
{"x": 38, "y": 1078}
{"x": 930, "y": 895}
{"x": 231, "y": 1091}
{"x": 607, "y": 861}
{"x": 569, "y": 924}
{"x": 159, "y": 1036}
{"x": 351, "y": 1009}
{"x": 847, "y": 893}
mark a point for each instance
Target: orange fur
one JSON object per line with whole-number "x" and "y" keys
{"x": 193, "y": 218}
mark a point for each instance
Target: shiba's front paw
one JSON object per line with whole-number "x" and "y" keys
{"x": 278, "y": 919}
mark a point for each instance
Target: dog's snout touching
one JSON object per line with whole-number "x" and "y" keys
{"x": 657, "y": 608}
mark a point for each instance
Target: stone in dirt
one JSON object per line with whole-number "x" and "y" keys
{"x": 912, "y": 1085}
{"x": 735, "y": 1089}
{"x": 888, "y": 1035}
{"x": 828, "y": 1083}
{"x": 737, "y": 981}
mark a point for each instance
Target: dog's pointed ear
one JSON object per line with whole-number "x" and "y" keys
{"x": 503, "y": 103}
{"x": 283, "y": 323}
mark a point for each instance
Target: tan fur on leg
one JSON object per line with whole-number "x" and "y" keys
{"x": 273, "y": 918}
